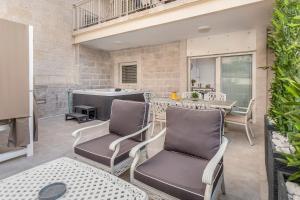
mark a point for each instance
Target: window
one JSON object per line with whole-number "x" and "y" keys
{"x": 231, "y": 75}
{"x": 203, "y": 73}
{"x": 128, "y": 73}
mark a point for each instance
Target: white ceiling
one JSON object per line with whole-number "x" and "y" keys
{"x": 237, "y": 19}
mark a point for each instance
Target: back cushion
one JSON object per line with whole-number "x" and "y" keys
{"x": 128, "y": 117}
{"x": 194, "y": 132}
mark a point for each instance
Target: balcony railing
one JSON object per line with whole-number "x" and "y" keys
{"x": 91, "y": 12}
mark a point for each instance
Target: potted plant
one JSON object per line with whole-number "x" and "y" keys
{"x": 289, "y": 183}
{"x": 282, "y": 134}
{"x": 195, "y": 96}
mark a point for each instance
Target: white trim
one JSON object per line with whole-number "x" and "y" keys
{"x": 118, "y": 155}
{"x": 13, "y": 154}
{"x": 138, "y": 75}
{"x": 30, "y": 145}
{"x": 170, "y": 184}
{"x": 254, "y": 85}
{"x": 218, "y": 75}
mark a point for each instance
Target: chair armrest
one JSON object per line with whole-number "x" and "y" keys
{"x": 135, "y": 152}
{"x": 114, "y": 144}
{"x": 239, "y": 112}
{"x": 138, "y": 147}
{"x": 208, "y": 174}
{"x": 77, "y": 133}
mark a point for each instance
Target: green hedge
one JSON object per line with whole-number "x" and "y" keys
{"x": 284, "y": 40}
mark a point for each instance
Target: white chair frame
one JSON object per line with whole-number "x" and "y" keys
{"x": 121, "y": 167}
{"x": 195, "y": 104}
{"x": 207, "y": 178}
{"x": 215, "y": 96}
{"x": 188, "y": 95}
{"x": 159, "y": 112}
{"x": 148, "y": 96}
{"x": 247, "y": 115}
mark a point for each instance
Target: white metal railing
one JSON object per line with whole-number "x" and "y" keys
{"x": 91, "y": 12}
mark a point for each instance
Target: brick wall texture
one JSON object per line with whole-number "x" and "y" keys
{"x": 160, "y": 67}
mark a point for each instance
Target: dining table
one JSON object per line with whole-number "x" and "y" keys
{"x": 226, "y": 105}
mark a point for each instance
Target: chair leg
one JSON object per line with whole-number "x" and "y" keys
{"x": 161, "y": 125}
{"x": 248, "y": 135}
{"x": 152, "y": 131}
{"x": 223, "y": 185}
{"x": 250, "y": 129}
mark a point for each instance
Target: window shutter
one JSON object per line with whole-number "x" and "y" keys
{"x": 129, "y": 74}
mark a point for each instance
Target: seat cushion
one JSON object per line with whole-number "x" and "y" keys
{"x": 176, "y": 174}
{"x": 194, "y": 132}
{"x": 235, "y": 118}
{"x": 98, "y": 149}
{"x": 128, "y": 117}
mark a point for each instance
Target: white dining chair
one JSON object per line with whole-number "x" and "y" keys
{"x": 210, "y": 96}
{"x": 243, "y": 118}
{"x": 195, "y": 104}
{"x": 159, "y": 107}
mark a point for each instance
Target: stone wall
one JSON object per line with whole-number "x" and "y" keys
{"x": 95, "y": 68}
{"x": 58, "y": 64}
{"x": 52, "y": 45}
{"x": 159, "y": 67}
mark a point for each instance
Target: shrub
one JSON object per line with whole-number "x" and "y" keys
{"x": 284, "y": 40}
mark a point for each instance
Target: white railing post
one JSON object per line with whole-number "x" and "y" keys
{"x": 90, "y": 12}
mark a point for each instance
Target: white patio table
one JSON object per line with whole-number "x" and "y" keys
{"x": 83, "y": 182}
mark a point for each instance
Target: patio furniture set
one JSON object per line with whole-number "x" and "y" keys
{"x": 241, "y": 116}
{"x": 190, "y": 165}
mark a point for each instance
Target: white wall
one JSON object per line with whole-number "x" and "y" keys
{"x": 235, "y": 42}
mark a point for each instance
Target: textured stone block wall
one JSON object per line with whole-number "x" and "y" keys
{"x": 57, "y": 64}
{"x": 95, "y": 68}
{"x": 53, "y": 50}
{"x": 160, "y": 66}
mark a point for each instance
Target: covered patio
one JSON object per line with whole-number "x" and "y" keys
{"x": 245, "y": 176}
{"x": 150, "y": 100}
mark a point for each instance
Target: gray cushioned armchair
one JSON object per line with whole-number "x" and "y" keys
{"x": 190, "y": 166}
{"x": 128, "y": 124}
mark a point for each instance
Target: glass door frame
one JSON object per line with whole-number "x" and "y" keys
{"x": 219, "y": 70}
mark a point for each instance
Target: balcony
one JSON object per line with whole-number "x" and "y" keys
{"x": 91, "y": 12}
{"x": 99, "y": 19}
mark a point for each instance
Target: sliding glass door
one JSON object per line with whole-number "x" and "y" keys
{"x": 231, "y": 75}
{"x": 236, "y": 78}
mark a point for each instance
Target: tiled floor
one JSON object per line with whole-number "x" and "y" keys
{"x": 245, "y": 176}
